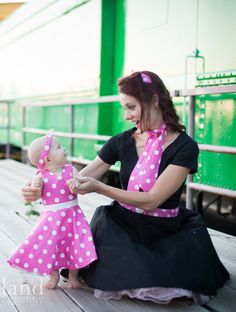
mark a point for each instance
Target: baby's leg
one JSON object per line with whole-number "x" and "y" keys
{"x": 73, "y": 279}
{"x": 54, "y": 279}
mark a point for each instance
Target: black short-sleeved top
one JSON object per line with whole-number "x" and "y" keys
{"x": 183, "y": 151}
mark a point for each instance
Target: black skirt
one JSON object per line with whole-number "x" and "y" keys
{"x": 139, "y": 251}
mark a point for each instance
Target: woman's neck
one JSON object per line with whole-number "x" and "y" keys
{"x": 157, "y": 123}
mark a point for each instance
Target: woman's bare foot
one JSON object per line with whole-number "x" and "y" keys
{"x": 54, "y": 279}
{"x": 73, "y": 281}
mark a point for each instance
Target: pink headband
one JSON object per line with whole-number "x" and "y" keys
{"x": 45, "y": 151}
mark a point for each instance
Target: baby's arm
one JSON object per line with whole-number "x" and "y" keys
{"x": 37, "y": 181}
{"x": 73, "y": 183}
{"x": 32, "y": 190}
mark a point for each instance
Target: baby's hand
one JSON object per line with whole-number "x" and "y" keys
{"x": 37, "y": 182}
{"x": 73, "y": 184}
{"x": 30, "y": 193}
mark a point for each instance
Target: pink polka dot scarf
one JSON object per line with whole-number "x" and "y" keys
{"x": 144, "y": 174}
{"x": 45, "y": 151}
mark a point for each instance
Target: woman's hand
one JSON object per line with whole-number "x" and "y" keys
{"x": 84, "y": 185}
{"x": 30, "y": 193}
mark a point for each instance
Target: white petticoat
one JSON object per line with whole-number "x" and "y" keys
{"x": 156, "y": 294}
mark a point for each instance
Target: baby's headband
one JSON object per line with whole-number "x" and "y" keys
{"x": 46, "y": 149}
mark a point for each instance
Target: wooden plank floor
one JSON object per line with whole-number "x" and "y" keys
{"x": 20, "y": 291}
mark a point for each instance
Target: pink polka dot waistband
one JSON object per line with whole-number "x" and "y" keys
{"x": 158, "y": 212}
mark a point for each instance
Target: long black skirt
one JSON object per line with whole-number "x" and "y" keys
{"x": 138, "y": 251}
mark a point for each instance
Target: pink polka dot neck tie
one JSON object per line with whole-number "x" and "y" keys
{"x": 145, "y": 172}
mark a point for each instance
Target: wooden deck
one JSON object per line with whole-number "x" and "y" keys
{"x": 23, "y": 292}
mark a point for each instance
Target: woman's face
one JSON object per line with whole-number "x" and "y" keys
{"x": 133, "y": 112}
{"x": 132, "y": 108}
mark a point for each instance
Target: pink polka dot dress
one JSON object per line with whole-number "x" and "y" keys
{"x": 62, "y": 238}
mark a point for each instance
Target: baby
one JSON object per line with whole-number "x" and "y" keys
{"x": 62, "y": 237}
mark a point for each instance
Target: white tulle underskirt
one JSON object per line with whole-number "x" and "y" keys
{"x": 155, "y": 294}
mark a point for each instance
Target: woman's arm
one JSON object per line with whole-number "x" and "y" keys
{"x": 167, "y": 184}
{"x": 95, "y": 169}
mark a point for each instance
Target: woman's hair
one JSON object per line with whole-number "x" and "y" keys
{"x": 145, "y": 86}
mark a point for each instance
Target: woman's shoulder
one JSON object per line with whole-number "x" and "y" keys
{"x": 115, "y": 146}
{"x": 184, "y": 140}
{"x": 183, "y": 144}
{"x": 182, "y": 152}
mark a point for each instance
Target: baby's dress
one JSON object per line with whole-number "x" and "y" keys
{"x": 62, "y": 238}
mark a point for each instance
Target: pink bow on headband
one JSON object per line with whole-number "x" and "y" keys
{"x": 146, "y": 78}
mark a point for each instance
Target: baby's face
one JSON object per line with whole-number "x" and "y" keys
{"x": 57, "y": 153}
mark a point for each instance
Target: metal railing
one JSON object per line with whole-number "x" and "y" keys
{"x": 71, "y": 135}
{"x": 191, "y": 93}
{"x": 7, "y": 127}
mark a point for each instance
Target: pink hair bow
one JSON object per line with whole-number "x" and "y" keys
{"x": 146, "y": 78}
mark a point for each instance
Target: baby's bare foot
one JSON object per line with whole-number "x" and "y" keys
{"x": 54, "y": 279}
{"x": 73, "y": 281}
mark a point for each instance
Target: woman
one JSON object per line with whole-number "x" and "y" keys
{"x": 148, "y": 247}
